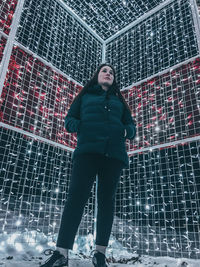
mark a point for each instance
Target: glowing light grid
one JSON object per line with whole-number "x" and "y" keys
{"x": 34, "y": 188}
{"x": 36, "y": 99}
{"x": 108, "y": 17}
{"x": 166, "y": 107}
{"x": 7, "y": 9}
{"x": 2, "y": 46}
{"x": 158, "y": 202}
{"x": 163, "y": 40}
{"x": 47, "y": 29}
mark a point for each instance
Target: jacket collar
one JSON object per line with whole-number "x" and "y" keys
{"x": 97, "y": 89}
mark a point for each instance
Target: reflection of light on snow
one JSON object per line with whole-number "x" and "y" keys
{"x": 87, "y": 247}
{"x": 75, "y": 247}
{"x": 2, "y": 246}
{"x": 147, "y": 207}
{"x": 31, "y": 241}
{"x": 90, "y": 238}
{"x": 39, "y": 249}
{"x": 18, "y": 223}
{"x": 51, "y": 244}
{"x": 83, "y": 244}
{"x": 18, "y": 247}
{"x": 11, "y": 239}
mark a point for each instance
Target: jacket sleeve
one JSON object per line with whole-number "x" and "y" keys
{"x": 72, "y": 120}
{"x": 129, "y": 124}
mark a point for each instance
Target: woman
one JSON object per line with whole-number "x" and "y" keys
{"x": 102, "y": 119}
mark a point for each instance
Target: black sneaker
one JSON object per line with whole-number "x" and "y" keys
{"x": 56, "y": 260}
{"x": 99, "y": 259}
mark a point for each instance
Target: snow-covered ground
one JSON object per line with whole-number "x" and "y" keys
{"x": 27, "y": 250}
{"x": 144, "y": 261}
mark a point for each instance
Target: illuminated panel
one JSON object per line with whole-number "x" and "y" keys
{"x": 2, "y": 46}
{"x": 36, "y": 99}
{"x": 163, "y": 40}
{"x": 108, "y": 17}
{"x": 7, "y": 9}
{"x": 158, "y": 203}
{"x": 35, "y": 187}
{"x": 166, "y": 108}
{"x": 47, "y": 29}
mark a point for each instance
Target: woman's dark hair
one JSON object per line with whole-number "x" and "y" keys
{"x": 94, "y": 81}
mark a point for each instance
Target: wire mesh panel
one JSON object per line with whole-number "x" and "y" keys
{"x": 158, "y": 202}
{"x": 47, "y": 29}
{"x": 35, "y": 186}
{"x": 166, "y": 108}
{"x": 36, "y": 98}
{"x": 108, "y": 17}
{"x": 164, "y": 39}
{"x": 7, "y": 9}
{"x": 2, "y": 47}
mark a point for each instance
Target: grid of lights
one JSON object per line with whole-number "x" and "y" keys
{"x": 167, "y": 107}
{"x": 35, "y": 98}
{"x": 34, "y": 188}
{"x": 47, "y": 29}
{"x": 161, "y": 41}
{"x": 2, "y": 46}
{"x": 7, "y": 9}
{"x": 158, "y": 202}
{"x": 107, "y": 18}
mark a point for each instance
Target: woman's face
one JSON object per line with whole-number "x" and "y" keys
{"x": 106, "y": 76}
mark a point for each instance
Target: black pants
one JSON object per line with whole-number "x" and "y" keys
{"x": 84, "y": 170}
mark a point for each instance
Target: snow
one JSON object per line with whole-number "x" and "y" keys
{"x": 27, "y": 250}
{"x": 144, "y": 261}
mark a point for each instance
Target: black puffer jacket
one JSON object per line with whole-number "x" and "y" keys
{"x": 100, "y": 119}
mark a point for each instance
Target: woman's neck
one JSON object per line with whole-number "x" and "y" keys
{"x": 104, "y": 87}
